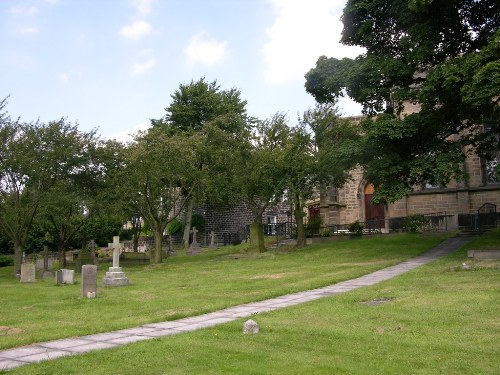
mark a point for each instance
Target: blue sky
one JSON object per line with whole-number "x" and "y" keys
{"x": 113, "y": 64}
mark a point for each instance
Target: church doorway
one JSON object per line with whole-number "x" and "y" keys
{"x": 374, "y": 213}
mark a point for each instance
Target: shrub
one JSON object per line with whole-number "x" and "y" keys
{"x": 6, "y": 261}
{"x": 312, "y": 226}
{"x": 414, "y": 223}
{"x": 198, "y": 221}
{"x": 325, "y": 232}
{"x": 356, "y": 228}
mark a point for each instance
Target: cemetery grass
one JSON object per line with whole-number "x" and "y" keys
{"x": 435, "y": 319}
{"x": 185, "y": 286}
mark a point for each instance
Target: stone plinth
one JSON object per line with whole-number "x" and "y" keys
{"x": 115, "y": 277}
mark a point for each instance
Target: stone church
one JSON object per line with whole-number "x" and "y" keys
{"x": 456, "y": 202}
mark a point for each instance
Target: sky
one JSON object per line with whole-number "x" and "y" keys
{"x": 112, "y": 65}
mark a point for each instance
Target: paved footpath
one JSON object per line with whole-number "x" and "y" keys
{"x": 20, "y": 356}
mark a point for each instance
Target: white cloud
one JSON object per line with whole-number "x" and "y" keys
{"x": 143, "y": 6}
{"x": 301, "y": 32}
{"x": 29, "y": 30}
{"x": 136, "y": 30}
{"x": 66, "y": 77}
{"x": 139, "y": 68}
{"x": 204, "y": 50}
{"x": 127, "y": 135}
{"x": 20, "y": 11}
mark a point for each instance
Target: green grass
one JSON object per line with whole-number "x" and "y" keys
{"x": 436, "y": 320}
{"x": 185, "y": 286}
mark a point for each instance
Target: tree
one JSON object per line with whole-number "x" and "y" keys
{"x": 262, "y": 179}
{"x": 160, "y": 170}
{"x": 33, "y": 157}
{"x": 220, "y": 116}
{"x": 441, "y": 54}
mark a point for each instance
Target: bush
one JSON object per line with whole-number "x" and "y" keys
{"x": 325, "y": 232}
{"x": 356, "y": 228}
{"x": 6, "y": 261}
{"x": 174, "y": 227}
{"x": 198, "y": 222}
{"x": 414, "y": 223}
{"x": 312, "y": 226}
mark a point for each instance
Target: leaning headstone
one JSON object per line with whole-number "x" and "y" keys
{"x": 64, "y": 276}
{"x": 89, "y": 281}
{"x": 194, "y": 248}
{"x": 250, "y": 326}
{"x": 28, "y": 271}
{"x": 115, "y": 276}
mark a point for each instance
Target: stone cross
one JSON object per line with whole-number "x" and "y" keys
{"x": 116, "y": 251}
{"x": 92, "y": 247}
{"x": 194, "y": 235}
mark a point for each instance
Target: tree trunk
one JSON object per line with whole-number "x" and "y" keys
{"x": 157, "y": 256}
{"x": 135, "y": 238}
{"x": 187, "y": 226}
{"x": 61, "y": 255}
{"x": 257, "y": 234}
{"x": 18, "y": 258}
{"x": 298, "y": 213}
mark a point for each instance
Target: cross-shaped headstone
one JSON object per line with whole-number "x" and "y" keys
{"x": 212, "y": 239}
{"x": 116, "y": 251}
{"x": 92, "y": 247}
{"x": 194, "y": 235}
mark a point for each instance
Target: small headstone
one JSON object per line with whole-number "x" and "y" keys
{"x": 250, "y": 327}
{"x": 28, "y": 271}
{"x": 64, "y": 276}
{"x": 194, "y": 248}
{"x": 212, "y": 240}
{"x": 89, "y": 280}
{"x": 115, "y": 276}
{"x": 46, "y": 273}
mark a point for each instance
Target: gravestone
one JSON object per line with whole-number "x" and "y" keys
{"x": 84, "y": 257}
{"x": 89, "y": 281}
{"x": 212, "y": 240}
{"x": 92, "y": 248}
{"x": 194, "y": 248}
{"x": 64, "y": 276}
{"x": 171, "y": 250}
{"x": 115, "y": 276}
{"x": 28, "y": 271}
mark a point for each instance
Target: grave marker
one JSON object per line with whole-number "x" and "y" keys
{"x": 89, "y": 281}
{"x": 194, "y": 248}
{"x": 28, "y": 271}
{"x": 115, "y": 276}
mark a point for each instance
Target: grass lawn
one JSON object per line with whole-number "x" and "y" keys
{"x": 435, "y": 320}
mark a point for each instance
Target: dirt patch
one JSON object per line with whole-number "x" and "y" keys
{"x": 4, "y": 330}
{"x": 376, "y": 301}
{"x": 275, "y": 276}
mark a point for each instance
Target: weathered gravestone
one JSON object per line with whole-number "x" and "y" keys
{"x": 64, "y": 276}
{"x": 89, "y": 281}
{"x": 171, "y": 250}
{"x": 212, "y": 240}
{"x": 28, "y": 271}
{"x": 194, "y": 248}
{"x": 115, "y": 276}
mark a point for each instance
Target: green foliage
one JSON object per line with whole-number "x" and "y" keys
{"x": 313, "y": 225}
{"x": 356, "y": 228}
{"x": 6, "y": 260}
{"x": 442, "y": 54}
{"x": 325, "y": 232}
{"x": 198, "y": 221}
{"x": 414, "y": 223}
{"x": 174, "y": 227}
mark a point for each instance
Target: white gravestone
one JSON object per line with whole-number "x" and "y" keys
{"x": 115, "y": 276}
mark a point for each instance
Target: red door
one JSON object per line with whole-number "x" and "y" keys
{"x": 374, "y": 213}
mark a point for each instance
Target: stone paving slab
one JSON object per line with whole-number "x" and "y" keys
{"x": 16, "y": 357}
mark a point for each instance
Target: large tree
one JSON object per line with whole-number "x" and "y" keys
{"x": 442, "y": 54}
{"x": 159, "y": 173}
{"x": 33, "y": 158}
{"x": 220, "y": 117}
